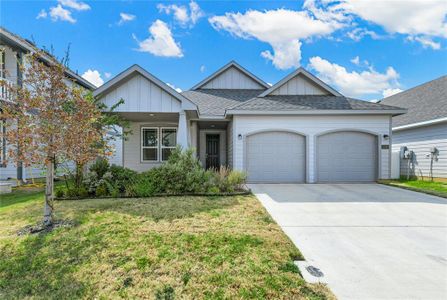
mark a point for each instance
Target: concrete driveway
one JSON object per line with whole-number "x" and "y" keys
{"x": 370, "y": 241}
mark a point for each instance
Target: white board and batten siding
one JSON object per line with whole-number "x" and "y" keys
{"x": 299, "y": 85}
{"x": 232, "y": 78}
{"x": 141, "y": 95}
{"x": 420, "y": 140}
{"x": 312, "y": 127}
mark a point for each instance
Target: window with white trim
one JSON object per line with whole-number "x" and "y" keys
{"x": 149, "y": 144}
{"x": 168, "y": 142}
{"x": 157, "y": 143}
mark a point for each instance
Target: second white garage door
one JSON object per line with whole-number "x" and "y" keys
{"x": 347, "y": 156}
{"x": 276, "y": 157}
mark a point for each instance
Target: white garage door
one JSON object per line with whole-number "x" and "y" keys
{"x": 276, "y": 157}
{"x": 347, "y": 156}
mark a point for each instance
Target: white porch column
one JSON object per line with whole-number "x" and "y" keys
{"x": 182, "y": 130}
{"x": 193, "y": 130}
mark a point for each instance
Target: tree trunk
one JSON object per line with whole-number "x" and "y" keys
{"x": 49, "y": 194}
{"x": 79, "y": 175}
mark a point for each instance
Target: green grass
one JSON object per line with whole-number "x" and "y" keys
{"x": 156, "y": 248}
{"x": 430, "y": 187}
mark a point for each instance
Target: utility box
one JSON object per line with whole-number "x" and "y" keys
{"x": 395, "y": 164}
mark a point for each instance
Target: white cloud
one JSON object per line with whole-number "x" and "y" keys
{"x": 195, "y": 12}
{"x": 94, "y": 77}
{"x": 74, "y": 4}
{"x": 126, "y": 18}
{"x": 283, "y": 29}
{"x": 202, "y": 68}
{"x": 285, "y": 55}
{"x": 359, "y": 33}
{"x": 356, "y": 60}
{"x": 426, "y": 42}
{"x": 414, "y": 18}
{"x": 182, "y": 14}
{"x": 179, "y": 90}
{"x": 390, "y": 92}
{"x": 368, "y": 82}
{"x": 160, "y": 42}
{"x": 60, "y": 13}
{"x": 42, "y": 14}
{"x": 107, "y": 75}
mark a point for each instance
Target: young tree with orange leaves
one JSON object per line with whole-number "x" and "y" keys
{"x": 51, "y": 120}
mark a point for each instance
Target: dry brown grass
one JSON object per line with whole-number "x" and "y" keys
{"x": 185, "y": 247}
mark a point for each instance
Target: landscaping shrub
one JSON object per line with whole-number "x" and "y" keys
{"x": 59, "y": 193}
{"x": 100, "y": 167}
{"x": 122, "y": 177}
{"x": 181, "y": 174}
{"x": 79, "y": 192}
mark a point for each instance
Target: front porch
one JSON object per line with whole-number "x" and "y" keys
{"x": 153, "y": 136}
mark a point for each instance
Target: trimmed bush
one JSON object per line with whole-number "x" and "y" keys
{"x": 181, "y": 174}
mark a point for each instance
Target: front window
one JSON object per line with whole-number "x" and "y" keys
{"x": 149, "y": 144}
{"x": 157, "y": 143}
{"x": 168, "y": 142}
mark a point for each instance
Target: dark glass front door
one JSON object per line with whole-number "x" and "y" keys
{"x": 212, "y": 151}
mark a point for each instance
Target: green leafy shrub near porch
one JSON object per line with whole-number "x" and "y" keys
{"x": 181, "y": 174}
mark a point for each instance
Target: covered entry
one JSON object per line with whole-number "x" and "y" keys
{"x": 347, "y": 156}
{"x": 276, "y": 157}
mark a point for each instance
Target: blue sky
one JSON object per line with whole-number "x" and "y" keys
{"x": 365, "y": 49}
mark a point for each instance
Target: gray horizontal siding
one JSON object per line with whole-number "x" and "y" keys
{"x": 420, "y": 140}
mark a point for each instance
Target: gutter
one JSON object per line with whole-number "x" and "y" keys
{"x": 317, "y": 112}
{"x": 420, "y": 124}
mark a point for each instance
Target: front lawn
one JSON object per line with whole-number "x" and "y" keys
{"x": 429, "y": 187}
{"x": 157, "y": 248}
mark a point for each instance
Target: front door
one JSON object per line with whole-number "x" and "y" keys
{"x": 212, "y": 151}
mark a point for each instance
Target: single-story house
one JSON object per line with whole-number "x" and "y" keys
{"x": 298, "y": 130}
{"x": 423, "y": 130}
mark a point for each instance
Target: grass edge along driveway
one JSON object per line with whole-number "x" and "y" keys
{"x": 156, "y": 248}
{"x": 423, "y": 186}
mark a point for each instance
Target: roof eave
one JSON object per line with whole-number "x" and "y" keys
{"x": 315, "y": 112}
{"x": 420, "y": 124}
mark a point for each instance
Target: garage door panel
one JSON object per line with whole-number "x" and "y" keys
{"x": 276, "y": 157}
{"x": 346, "y": 156}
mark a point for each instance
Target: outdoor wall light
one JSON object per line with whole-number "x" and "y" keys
{"x": 239, "y": 136}
{"x": 386, "y": 136}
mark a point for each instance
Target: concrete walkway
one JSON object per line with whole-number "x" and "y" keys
{"x": 370, "y": 241}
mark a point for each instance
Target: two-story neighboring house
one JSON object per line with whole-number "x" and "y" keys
{"x": 13, "y": 49}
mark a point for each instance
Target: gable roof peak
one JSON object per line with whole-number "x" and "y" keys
{"x": 127, "y": 73}
{"x": 308, "y": 75}
{"x": 230, "y": 64}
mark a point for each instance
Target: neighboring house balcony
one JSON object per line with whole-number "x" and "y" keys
{"x": 5, "y": 89}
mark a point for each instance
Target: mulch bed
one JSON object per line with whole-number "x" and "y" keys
{"x": 238, "y": 193}
{"x": 40, "y": 228}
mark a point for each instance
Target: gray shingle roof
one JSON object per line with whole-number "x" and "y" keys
{"x": 424, "y": 102}
{"x": 216, "y": 101}
{"x": 285, "y": 103}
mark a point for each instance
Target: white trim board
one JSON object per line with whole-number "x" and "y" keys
{"x": 420, "y": 124}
